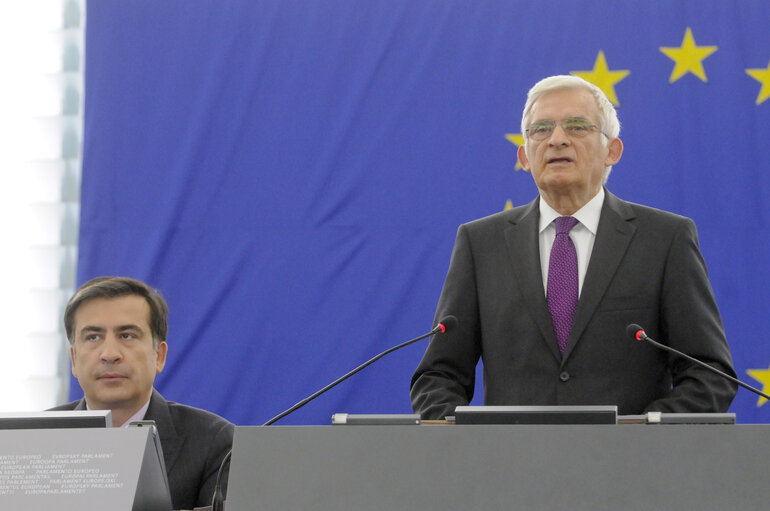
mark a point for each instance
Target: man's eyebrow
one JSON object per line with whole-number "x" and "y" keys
{"x": 129, "y": 328}
{"x": 89, "y": 329}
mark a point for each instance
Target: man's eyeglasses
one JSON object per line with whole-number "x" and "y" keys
{"x": 575, "y": 127}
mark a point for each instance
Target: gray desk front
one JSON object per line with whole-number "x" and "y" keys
{"x": 532, "y": 468}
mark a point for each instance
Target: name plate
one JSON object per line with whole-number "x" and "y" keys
{"x": 81, "y": 469}
{"x": 569, "y": 414}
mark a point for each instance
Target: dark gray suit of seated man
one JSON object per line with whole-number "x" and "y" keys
{"x": 117, "y": 331}
{"x": 635, "y": 264}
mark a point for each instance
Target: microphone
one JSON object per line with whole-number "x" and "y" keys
{"x": 636, "y": 332}
{"x": 446, "y": 324}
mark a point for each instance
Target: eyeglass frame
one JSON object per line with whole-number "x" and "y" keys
{"x": 561, "y": 123}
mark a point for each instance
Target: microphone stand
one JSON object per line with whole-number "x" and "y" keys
{"x": 640, "y": 335}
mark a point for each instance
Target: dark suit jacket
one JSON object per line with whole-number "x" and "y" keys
{"x": 194, "y": 443}
{"x": 645, "y": 268}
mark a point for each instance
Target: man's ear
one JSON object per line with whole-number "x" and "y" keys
{"x": 614, "y": 151}
{"x": 72, "y": 359}
{"x": 522, "y": 153}
{"x": 160, "y": 357}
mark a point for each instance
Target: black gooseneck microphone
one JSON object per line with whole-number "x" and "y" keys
{"x": 447, "y": 323}
{"x": 637, "y": 333}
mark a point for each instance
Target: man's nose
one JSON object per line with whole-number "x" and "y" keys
{"x": 559, "y": 137}
{"x": 111, "y": 352}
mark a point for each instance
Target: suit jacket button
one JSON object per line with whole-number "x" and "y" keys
{"x": 564, "y": 376}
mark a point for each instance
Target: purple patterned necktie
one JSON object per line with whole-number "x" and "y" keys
{"x": 562, "y": 293}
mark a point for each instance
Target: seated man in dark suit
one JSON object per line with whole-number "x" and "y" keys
{"x": 543, "y": 292}
{"x": 117, "y": 332}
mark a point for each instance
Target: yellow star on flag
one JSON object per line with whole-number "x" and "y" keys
{"x": 518, "y": 140}
{"x": 763, "y": 376}
{"x": 763, "y": 77}
{"x": 508, "y": 205}
{"x": 602, "y": 77}
{"x": 688, "y": 57}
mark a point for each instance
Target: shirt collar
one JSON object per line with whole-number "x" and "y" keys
{"x": 139, "y": 415}
{"x": 588, "y": 215}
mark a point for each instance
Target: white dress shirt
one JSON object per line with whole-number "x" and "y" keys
{"x": 582, "y": 235}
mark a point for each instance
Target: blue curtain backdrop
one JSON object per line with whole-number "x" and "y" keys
{"x": 291, "y": 174}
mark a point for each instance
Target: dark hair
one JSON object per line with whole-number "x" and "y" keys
{"x": 115, "y": 287}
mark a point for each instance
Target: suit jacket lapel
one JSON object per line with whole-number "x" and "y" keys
{"x": 523, "y": 244}
{"x": 169, "y": 440}
{"x": 612, "y": 239}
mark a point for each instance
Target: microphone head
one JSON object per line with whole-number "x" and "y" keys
{"x": 635, "y": 332}
{"x": 447, "y": 323}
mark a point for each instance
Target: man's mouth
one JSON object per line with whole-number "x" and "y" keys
{"x": 562, "y": 159}
{"x": 111, "y": 376}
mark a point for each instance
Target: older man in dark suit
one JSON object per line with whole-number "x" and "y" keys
{"x": 117, "y": 331}
{"x": 544, "y": 292}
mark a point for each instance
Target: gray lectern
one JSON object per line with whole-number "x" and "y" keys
{"x": 500, "y": 467}
{"x": 89, "y": 469}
